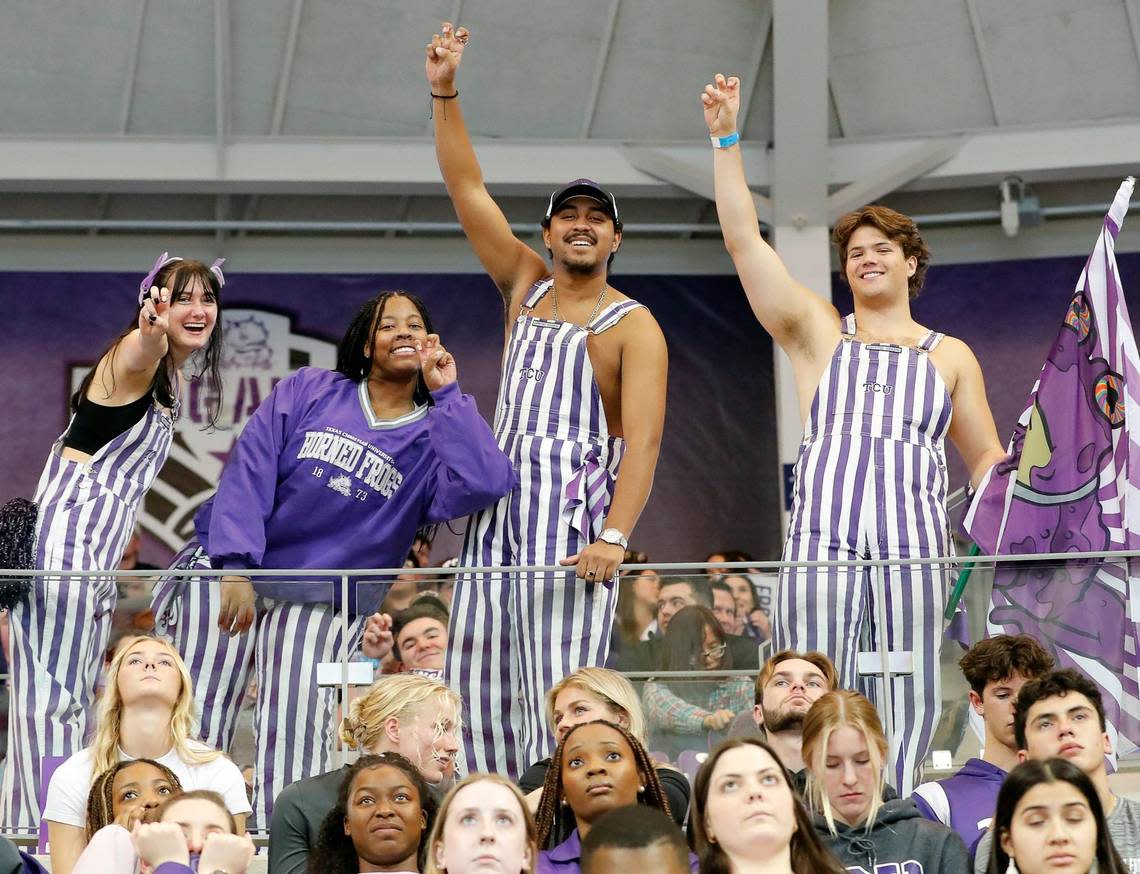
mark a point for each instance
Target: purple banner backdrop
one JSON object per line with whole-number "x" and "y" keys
{"x": 716, "y": 484}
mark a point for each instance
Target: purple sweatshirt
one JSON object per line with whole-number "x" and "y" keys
{"x": 965, "y": 800}
{"x": 315, "y": 480}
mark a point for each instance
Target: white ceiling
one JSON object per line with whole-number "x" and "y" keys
{"x": 97, "y": 91}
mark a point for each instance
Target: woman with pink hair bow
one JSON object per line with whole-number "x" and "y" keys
{"x": 88, "y": 496}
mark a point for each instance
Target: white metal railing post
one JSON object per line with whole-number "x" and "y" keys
{"x": 879, "y": 592}
{"x": 345, "y": 625}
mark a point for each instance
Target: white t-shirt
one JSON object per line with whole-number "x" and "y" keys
{"x": 71, "y": 783}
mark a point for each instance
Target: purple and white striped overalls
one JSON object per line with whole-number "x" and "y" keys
{"x": 59, "y": 632}
{"x": 513, "y": 636}
{"x": 870, "y": 482}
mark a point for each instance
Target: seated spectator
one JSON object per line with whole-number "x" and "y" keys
{"x": 597, "y": 767}
{"x": 996, "y": 669}
{"x": 724, "y": 607}
{"x": 404, "y": 589}
{"x": 414, "y": 641}
{"x": 192, "y": 832}
{"x": 1049, "y": 819}
{"x": 845, "y": 750}
{"x": 786, "y": 687}
{"x": 746, "y": 816}
{"x": 438, "y": 586}
{"x": 635, "y": 616}
{"x": 587, "y": 695}
{"x": 635, "y": 839}
{"x": 420, "y": 637}
{"x": 1061, "y": 715}
{"x": 483, "y": 825}
{"x": 383, "y": 814}
{"x": 754, "y": 622}
{"x": 414, "y": 716}
{"x": 146, "y": 711}
{"x": 13, "y": 860}
{"x": 683, "y": 714}
{"x": 123, "y": 795}
{"x": 132, "y": 611}
{"x": 674, "y": 595}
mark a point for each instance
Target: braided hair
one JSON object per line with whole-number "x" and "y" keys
{"x": 101, "y": 801}
{"x": 334, "y": 852}
{"x": 352, "y": 358}
{"x": 551, "y": 815}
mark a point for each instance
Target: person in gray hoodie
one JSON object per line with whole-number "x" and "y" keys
{"x": 853, "y": 810}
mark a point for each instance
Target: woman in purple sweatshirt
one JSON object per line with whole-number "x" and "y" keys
{"x": 336, "y": 469}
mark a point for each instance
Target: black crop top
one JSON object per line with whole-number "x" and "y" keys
{"x": 96, "y": 425}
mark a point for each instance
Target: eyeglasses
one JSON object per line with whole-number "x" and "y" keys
{"x": 715, "y": 652}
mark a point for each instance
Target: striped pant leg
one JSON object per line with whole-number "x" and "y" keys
{"x": 915, "y": 598}
{"x": 293, "y": 716}
{"x": 822, "y": 609}
{"x": 480, "y": 664}
{"x": 57, "y": 638}
{"x": 186, "y": 610}
{"x": 559, "y": 623}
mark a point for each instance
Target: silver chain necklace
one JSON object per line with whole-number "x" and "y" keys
{"x": 597, "y": 306}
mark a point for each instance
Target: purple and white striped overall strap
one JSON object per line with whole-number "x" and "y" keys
{"x": 932, "y": 339}
{"x": 536, "y": 293}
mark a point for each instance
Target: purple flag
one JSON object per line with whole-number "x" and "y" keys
{"x": 1072, "y": 484}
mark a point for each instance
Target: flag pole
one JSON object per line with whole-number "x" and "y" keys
{"x": 960, "y": 584}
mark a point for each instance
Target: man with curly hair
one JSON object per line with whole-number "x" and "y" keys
{"x": 876, "y": 390}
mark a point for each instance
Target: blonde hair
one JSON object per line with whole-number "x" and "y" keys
{"x": 392, "y": 696}
{"x": 183, "y": 719}
{"x": 835, "y": 710}
{"x": 436, "y": 839}
{"x": 614, "y": 690}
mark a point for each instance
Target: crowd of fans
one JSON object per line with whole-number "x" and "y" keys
{"x": 796, "y": 778}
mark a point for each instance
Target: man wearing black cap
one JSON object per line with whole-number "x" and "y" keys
{"x": 583, "y": 391}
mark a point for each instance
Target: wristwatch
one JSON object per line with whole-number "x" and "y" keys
{"x": 612, "y": 535}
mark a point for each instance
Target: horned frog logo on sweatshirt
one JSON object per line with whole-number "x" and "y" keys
{"x": 260, "y": 349}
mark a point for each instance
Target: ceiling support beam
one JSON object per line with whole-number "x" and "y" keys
{"x": 983, "y": 58}
{"x": 799, "y": 192}
{"x": 891, "y": 176}
{"x": 221, "y": 108}
{"x": 126, "y": 102}
{"x": 687, "y": 175}
{"x": 296, "y": 165}
{"x": 752, "y": 74}
{"x": 1133, "y": 26}
{"x": 600, "y": 70}
{"x": 281, "y": 92}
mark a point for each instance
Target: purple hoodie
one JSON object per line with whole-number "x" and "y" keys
{"x": 315, "y": 480}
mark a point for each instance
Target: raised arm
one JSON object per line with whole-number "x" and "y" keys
{"x": 799, "y": 320}
{"x": 512, "y": 265}
{"x": 126, "y": 372}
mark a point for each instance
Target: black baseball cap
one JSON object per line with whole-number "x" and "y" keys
{"x": 583, "y": 188}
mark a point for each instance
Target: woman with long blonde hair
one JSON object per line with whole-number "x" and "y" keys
{"x": 146, "y": 712}
{"x": 855, "y": 813}
{"x": 589, "y": 694}
{"x": 417, "y": 717}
